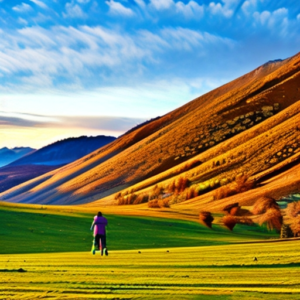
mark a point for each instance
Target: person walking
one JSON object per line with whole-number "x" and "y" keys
{"x": 98, "y": 226}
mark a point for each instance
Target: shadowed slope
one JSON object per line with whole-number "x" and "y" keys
{"x": 248, "y": 126}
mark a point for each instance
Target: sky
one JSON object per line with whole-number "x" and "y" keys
{"x": 92, "y": 67}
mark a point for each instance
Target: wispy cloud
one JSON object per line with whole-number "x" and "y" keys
{"x": 116, "y": 8}
{"x": 100, "y": 123}
{"x": 74, "y": 11}
{"x": 40, "y": 3}
{"x": 22, "y": 8}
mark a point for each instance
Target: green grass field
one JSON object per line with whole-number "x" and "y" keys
{"x": 26, "y": 231}
{"x": 46, "y": 255}
{"x": 208, "y": 272}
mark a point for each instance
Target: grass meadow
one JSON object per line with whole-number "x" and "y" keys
{"x": 38, "y": 231}
{"x": 46, "y": 255}
{"x": 208, "y": 272}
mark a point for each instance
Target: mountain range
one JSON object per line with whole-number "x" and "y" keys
{"x": 38, "y": 162}
{"x": 236, "y": 143}
{"x": 9, "y": 155}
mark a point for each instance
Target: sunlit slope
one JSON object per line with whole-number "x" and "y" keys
{"x": 250, "y": 125}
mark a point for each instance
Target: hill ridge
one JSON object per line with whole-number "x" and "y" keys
{"x": 186, "y": 141}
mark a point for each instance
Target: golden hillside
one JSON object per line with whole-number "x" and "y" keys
{"x": 234, "y": 143}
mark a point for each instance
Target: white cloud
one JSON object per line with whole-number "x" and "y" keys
{"x": 182, "y": 38}
{"x": 276, "y": 20}
{"x": 298, "y": 17}
{"x": 219, "y": 9}
{"x": 140, "y": 3}
{"x": 249, "y": 7}
{"x": 74, "y": 11}
{"x": 22, "y": 21}
{"x": 70, "y": 58}
{"x": 40, "y": 3}
{"x": 190, "y": 10}
{"x": 162, "y": 4}
{"x": 83, "y": 1}
{"x": 263, "y": 17}
{"x": 116, "y": 8}
{"x": 22, "y": 8}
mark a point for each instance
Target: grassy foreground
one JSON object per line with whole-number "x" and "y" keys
{"x": 38, "y": 231}
{"x": 212, "y": 272}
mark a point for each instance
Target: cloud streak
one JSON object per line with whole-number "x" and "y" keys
{"x": 101, "y": 123}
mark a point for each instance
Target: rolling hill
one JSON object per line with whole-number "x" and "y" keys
{"x": 49, "y": 158}
{"x": 233, "y": 144}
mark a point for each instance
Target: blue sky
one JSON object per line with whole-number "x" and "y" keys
{"x": 89, "y": 67}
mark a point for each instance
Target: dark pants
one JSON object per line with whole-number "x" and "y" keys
{"x": 100, "y": 239}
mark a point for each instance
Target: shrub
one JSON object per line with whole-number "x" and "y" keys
{"x": 232, "y": 209}
{"x": 153, "y": 203}
{"x": 155, "y": 192}
{"x": 229, "y": 221}
{"x": 172, "y": 187}
{"x": 293, "y": 209}
{"x": 223, "y": 192}
{"x": 192, "y": 192}
{"x": 181, "y": 184}
{"x": 158, "y": 203}
{"x": 295, "y": 226}
{"x": 141, "y": 198}
{"x": 206, "y": 218}
{"x": 245, "y": 221}
{"x": 121, "y": 201}
{"x": 273, "y": 218}
{"x": 262, "y": 204}
{"x": 118, "y": 195}
{"x": 240, "y": 185}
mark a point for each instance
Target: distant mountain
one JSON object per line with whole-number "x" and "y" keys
{"x": 9, "y": 155}
{"x": 64, "y": 151}
{"x": 48, "y": 158}
{"x": 235, "y": 143}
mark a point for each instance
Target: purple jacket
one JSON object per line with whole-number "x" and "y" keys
{"x": 99, "y": 225}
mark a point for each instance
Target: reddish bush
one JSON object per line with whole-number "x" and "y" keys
{"x": 232, "y": 209}
{"x": 293, "y": 209}
{"x": 245, "y": 221}
{"x": 295, "y": 226}
{"x": 229, "y": 221}
{"x": 273, "y": 218}
{"x": 206, "y": 218}
{"x": 158, "y": 203}
{"x": 262, "y": 204}
{"x": 240, "y": 185}
{"x": 243, "y": 184}
{"x": 191, "y": 193}
{"x": 223, "y": 192}
{"x": 172, "y": 187}
{"x": 141, "y": 198}
{"x": 117, "y": 196}
{"x": 181, "y": 184}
